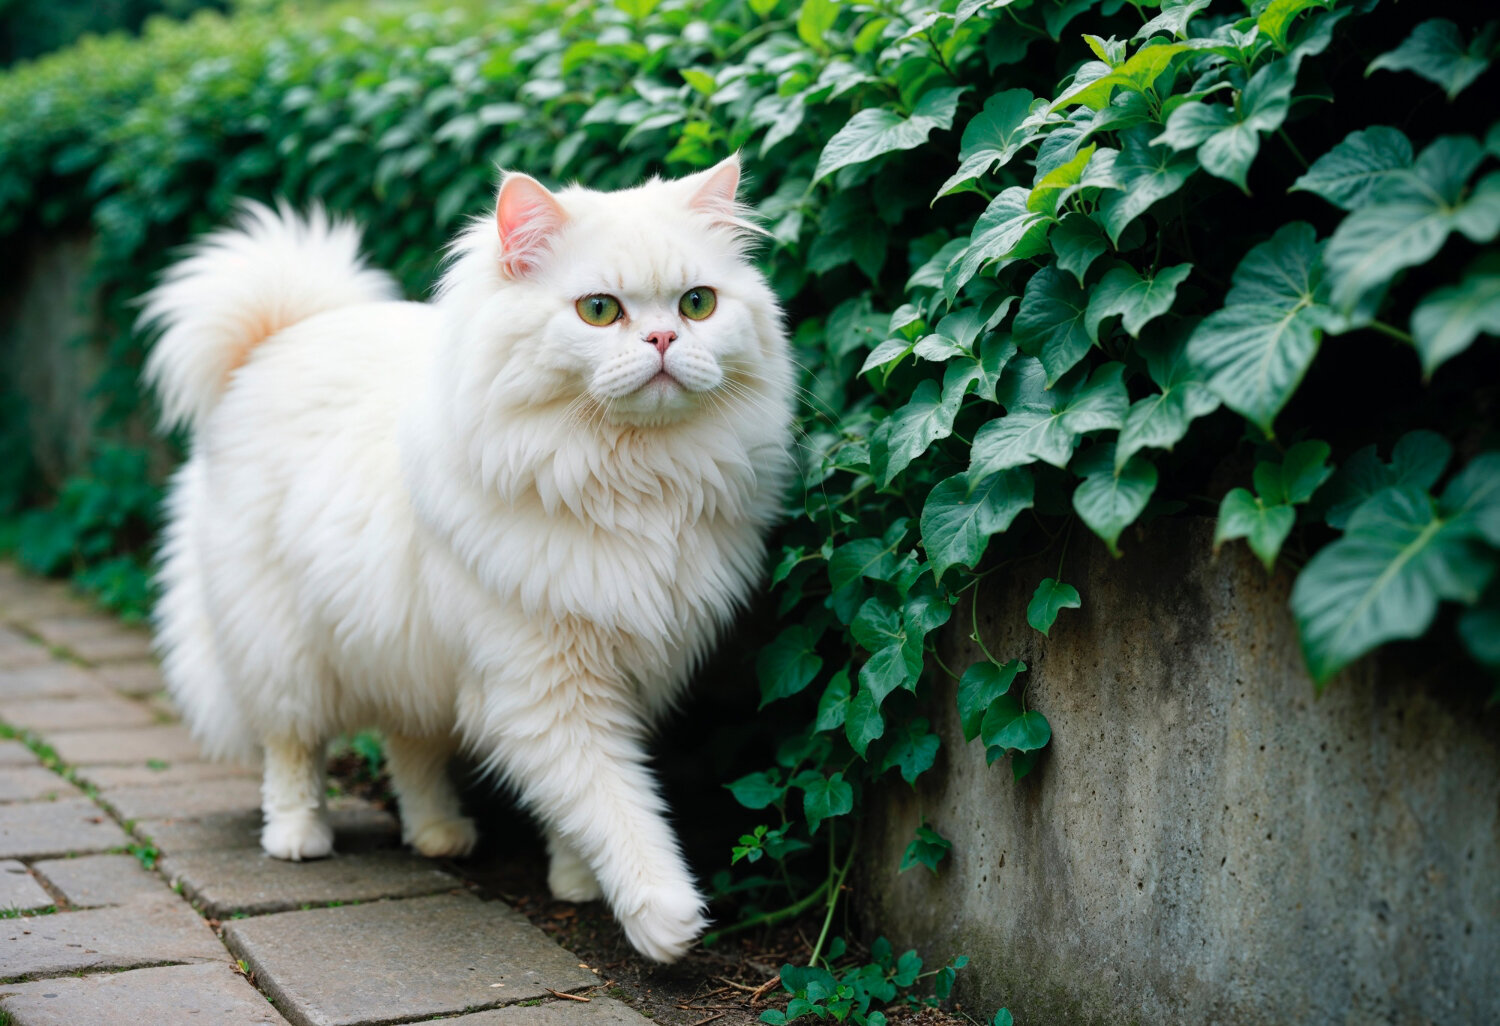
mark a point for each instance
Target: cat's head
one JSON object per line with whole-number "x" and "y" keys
{"x": 640, "y": 304}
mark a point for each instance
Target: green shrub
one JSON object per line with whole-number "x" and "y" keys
{"x": 1053, "y": 266}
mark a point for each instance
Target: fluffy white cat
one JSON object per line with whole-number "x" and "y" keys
{"x": 513, "y": 519}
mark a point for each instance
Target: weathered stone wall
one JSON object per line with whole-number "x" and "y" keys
{"x": 46, "y": 313}
{"x": 1207, "y": 840}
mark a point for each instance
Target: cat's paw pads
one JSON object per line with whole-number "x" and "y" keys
{"x": 570, "y": 879}
{"x": 667, "y": 924}
{"x": 296, "y": 837}
{"x": 446, "y": 838}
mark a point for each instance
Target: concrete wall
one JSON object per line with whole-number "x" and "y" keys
{"x": 1207, "y": 841}
{"x": 51, "y": 356}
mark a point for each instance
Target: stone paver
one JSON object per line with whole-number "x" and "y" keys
{"x": 146, "y": 931}
{"x": 96, "y": 639}
{"x": 51, "y": 714}
{"x": 47, "y": 829}
{"x": 19, "y": 890}
{"x": 600, "y": 1011}
{"x": 132, "y": 678}
{"x": 15, "y": 753}
{"x": 168, "y": 742}
{"x": 357, "y": 826}
{"x": 413, "y": 958}
{"x": 18, "y": 650}
{"x": 29, "y": 783}
{"x": 91, "y": 881}
{"x": 398, "y": 938}
{"x": 158, "y": 773}
{"x": 247, "y": 880}
{"x": 49, "y": 680}
{"x": 210, "y": 994}
{"x": 202, "y": 798}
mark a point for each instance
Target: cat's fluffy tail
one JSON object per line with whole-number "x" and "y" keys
{"x": 239, "y": 286}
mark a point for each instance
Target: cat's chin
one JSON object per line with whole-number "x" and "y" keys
{"x": 661, "y": 400}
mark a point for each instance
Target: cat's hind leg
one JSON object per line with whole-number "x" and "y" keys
{"x": 432, "y": 820}
{"x": 292, "y": 801}
{"x": 568, "y": 874}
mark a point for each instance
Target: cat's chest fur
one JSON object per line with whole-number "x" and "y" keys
{"x": 649, "y": 538}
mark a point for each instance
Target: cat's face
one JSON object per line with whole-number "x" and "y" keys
{"x": 649, "y": 306}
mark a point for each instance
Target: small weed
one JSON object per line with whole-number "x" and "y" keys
{"x": 157, "y": 764}
{"x": 145, "y": 854}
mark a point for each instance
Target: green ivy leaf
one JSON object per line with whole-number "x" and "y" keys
{"x": 1077, "y": 242}
{"x": 756, "y": 790}
{"x": 993, "y": 137}
{"x": 1050, "y": 598}
{"x": 1301, "y": 472}
{"x": 1436, "y": 51}
{"x": 1021, "y": 732}
{"x": 928, "y": 848}
{"x": 959, "y": 516}
{"x": 1347, "y": 174}
{"x": 1173, "y": 19}
{"x": 1408, "y": 217}
{"x": 833, "y": 707}
{"x": 1383, "y": 580}
{"x": 788, "y": 664}
{"x": 1137, "y": 74}
{"x": 826, "y": 798}
{"x": 1007, "y": 231}
{"x": 814, "y": 19}
{"x": 1146, "y": 174}
{"x": 1050, "y": 324}
{"x": 1265, "y": 528}
{"x": 1045, "y": 426}
{"x": 978, "y": 688}
{"x": 1228, "y": 138}
{"x": 864, "y": 557}
{"x": 1418, "y": 460}
{"x": 875, "y": 131}
{"x": 1254, "y": 352}
{"x": 925, "y": 418}
{"x": 1122, "y": 292}
{"x": 1160, "y": 421}
{"x": 913, "y": 750}
{"x": 863, "y": 722}
{"x": 1275, "y": 21}
{"x": 1108, "y": 501}
{"x": 893, "y": 663}
{"x": 1053, "y": 187}
{"x": 1449, "y": 319}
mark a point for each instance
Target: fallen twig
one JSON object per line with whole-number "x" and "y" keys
{"x": 570, "y": 997}
{"x": 711, "y": 1018}
{"x": 759, "y": 991}
{"x": 736, "y": 986}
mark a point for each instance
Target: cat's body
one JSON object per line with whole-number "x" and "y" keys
{"x": 482, "y": 521}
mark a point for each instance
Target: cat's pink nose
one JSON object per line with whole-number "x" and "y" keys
{"x": 662, "y": 339}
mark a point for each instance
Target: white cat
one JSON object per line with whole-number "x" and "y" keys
{"x": 514, "y": 519}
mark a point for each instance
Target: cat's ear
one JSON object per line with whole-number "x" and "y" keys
{"x": 527, "y": 216}
{"x": 713, "y": 191}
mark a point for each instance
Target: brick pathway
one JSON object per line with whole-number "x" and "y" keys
{"x": 133, "y": 889}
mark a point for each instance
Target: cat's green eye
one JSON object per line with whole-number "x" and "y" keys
{"x": 599, "y": 310}
{"x": 698, "y": 303}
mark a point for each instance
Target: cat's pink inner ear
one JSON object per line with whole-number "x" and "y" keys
{"x": 528, "y": 216}
{"x": 715, "y": 195}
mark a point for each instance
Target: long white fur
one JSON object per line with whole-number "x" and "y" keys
{"x": 478, "y": 521}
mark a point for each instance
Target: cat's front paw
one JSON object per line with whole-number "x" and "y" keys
{"x": 446, "y": 838}
{"x": 666, "y": 925}
{"x": 297, "y": 836}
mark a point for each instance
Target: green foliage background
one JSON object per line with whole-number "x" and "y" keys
{"x": 1053, "y": 266}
